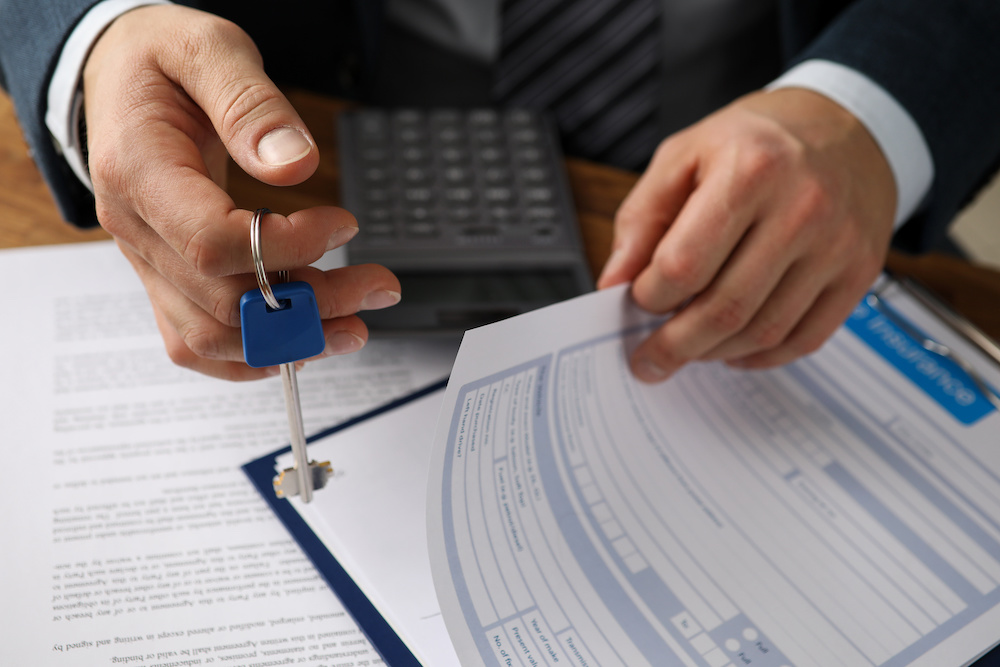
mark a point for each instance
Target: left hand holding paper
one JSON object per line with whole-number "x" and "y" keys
{"x": 760, "y": 226}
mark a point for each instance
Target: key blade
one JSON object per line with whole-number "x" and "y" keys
{"x": 293, "y": 407}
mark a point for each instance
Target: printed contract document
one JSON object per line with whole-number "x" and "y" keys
{"x": 130, "y": 536}
{"x": 843, "y": 510}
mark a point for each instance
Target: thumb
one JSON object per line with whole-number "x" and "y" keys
{"x": 220, "y": 68}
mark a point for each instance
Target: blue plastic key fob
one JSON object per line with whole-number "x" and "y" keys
{"x": 272, "y": 337}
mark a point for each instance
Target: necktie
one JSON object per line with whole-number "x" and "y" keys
{"x": 593, "y": 64}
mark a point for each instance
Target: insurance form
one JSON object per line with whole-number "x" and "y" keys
{"x": 843, "y": 510}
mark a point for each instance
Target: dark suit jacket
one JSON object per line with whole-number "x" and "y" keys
{"x": 939, "y": 59}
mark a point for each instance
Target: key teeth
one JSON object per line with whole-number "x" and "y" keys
{"x": 286, "y": 484}
{"x": 321, "y": 472}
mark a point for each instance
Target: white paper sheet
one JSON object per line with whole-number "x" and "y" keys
{"x": 372, "y": 517}
{"x": 827, "y": 513}
{"x": 130, "y": 534}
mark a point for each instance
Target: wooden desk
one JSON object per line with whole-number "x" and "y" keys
{"x": 28, "y": 217}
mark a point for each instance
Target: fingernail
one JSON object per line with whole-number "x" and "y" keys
{"x": 610, "y": 266}
{"x": 341, "y": 236}
{"x": 271, "y": 371}
{"x": 380, "y": 299}
{"x": 283, "y": 146}
{"x": 648, "y": 371}
{"x": 343, "y": 342}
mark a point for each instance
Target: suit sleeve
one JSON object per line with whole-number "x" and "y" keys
{"x": 941, "y": 61}
{"x": 32, "y": 33}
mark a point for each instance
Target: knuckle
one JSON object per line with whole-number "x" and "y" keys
{"x": 668, "y": 348}
{"x": 203, "y": 251}
{"x": 680, "y": 270}
{"x": 627, "y": 212}
{"x": 222, "y": 35}
{"x": 768, "y": 335}
{"x": 667, "y": 149}
{"x": 243, "y": 103}
{"x": 804, "y": 345}
{"x": 815, "y": 199}
{"x": 180, "y": 354}
{"x": 727, "y": 314}
{"x": 764, "y": 156}
{"x": 665, "y": 354}
{"x": 758, "y": 161}
{"x": 813, "y": 206}
{"x": 223, "y": 307}
{"x": 107, "y": 216}
{"x": 201, "y": 341}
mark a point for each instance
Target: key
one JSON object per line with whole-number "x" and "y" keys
{"x": 281, "y": 325}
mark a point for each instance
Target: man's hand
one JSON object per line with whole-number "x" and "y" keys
{"x": 761, "y": 227}
{"x": 168, "y": 92}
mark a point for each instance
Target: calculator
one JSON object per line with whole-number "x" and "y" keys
{"x": 471, "y": 209}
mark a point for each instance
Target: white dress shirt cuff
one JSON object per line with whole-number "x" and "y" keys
{"x": 65, "y": 98}
{"x": 894, "y": 130}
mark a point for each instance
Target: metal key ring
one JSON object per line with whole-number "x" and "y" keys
{"x": 258, "y": 260}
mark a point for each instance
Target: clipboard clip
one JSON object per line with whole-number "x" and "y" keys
{"x": 875, "y": 301}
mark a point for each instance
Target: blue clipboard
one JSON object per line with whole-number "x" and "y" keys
{"x": 261, "y": 472}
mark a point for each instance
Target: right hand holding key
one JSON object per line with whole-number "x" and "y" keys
{"x": 168, "y": 91}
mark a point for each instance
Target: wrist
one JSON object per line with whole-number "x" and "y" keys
{"x": 837, "y": 145}
{"x": 64, "y": 109}
{"x": 890, "y": 124}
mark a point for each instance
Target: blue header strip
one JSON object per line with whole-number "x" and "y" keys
{"x": 939, "y": 377}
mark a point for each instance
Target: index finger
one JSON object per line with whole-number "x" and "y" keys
{"x": 647, "y": 212}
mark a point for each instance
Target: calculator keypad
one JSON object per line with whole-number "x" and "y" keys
{"x": 448, "y": 181}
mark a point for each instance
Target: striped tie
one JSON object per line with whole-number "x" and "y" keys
{"x": 594, "y": 65}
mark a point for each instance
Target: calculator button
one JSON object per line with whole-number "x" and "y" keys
{"x": 451, "y": 135}
{"x": 379, "y": 230}
{"x": 376, "y": 175}
{"x": 461, "y": 214}
{"x": 544, "y": 233}
{"x": 412, "y": 135}
{"x": 377, "y": 195}
{"x": 526, "y": 136}
{"x": 457, "y": 175}
{"x": 416, "y": 175}
{"x": 488, "y": 137}
{"x": 534, "y": 174}
{"x": 538, "y": 195}
{"x": 529, "y": 155}
{"x": 417, "y": 195}
{"x": 480, "y": 232}
{"x": 460, "y": 195}
{"x": 497, "y": 175}
{"x": 374, "y": 154}
{"x": 499, "y": 195}
{"x": 454, "y": 154}
{"x": 414, "y": 154}
{"x": 421, "y": 229}
{"x": 520, "y": 117}
{"x": 541, "y": 215}
{"x": 378, "y": 214}
{"x": 503, "y": 214}
{"x": 373, "y": 124}
{"x": 483, "y": 117}
{"x": 490, "y": 154}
